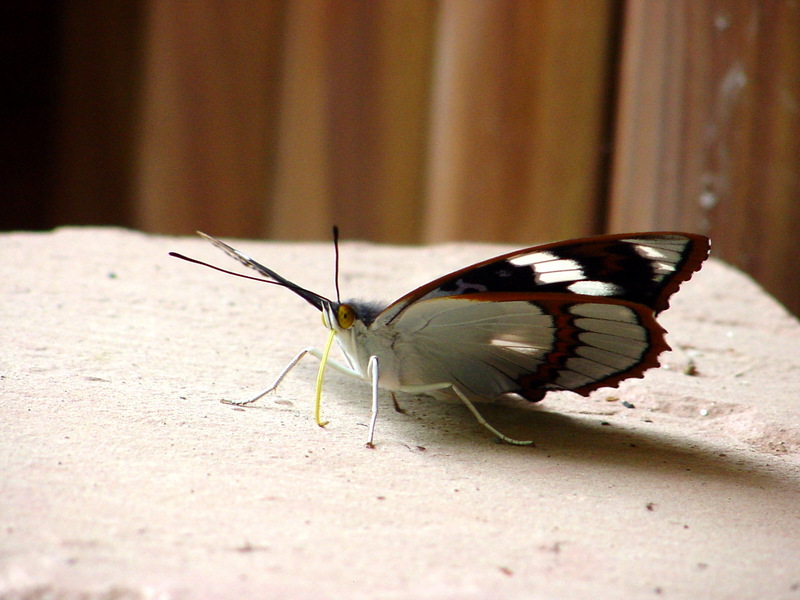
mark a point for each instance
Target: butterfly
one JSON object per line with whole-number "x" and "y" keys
{"x": 574, "y": 315}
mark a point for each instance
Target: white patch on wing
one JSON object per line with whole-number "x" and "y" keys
{"x": 559, "y": 276}
{"x": 594, "y": 288}
{"x": 628, "y": 331}
{"x": 663, "y": 267}
{"x": 612, "y": 329}
{"x": 534, "y": 258}
{"x": 618, "y": 345}
{"x": 531, "y": 346}
{"x": 648, "y": 251}
{"x": 664, "y": 253}
{"x": 589, "y": 368}
{"x": 611, "y": 359}
{"x": 570, "y": 380}
{"x": 608, "y": 312}
{"x": 558, "y": 264}
{"x": 549, "y": 268}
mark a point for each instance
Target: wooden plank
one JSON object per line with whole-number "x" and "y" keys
{"x": 519, "y": 117}
{"x": 353, "y": 120}
{"x": 209, "y": 84}
{"x": 95, "y": 121}
{"x": 709, "y": 129}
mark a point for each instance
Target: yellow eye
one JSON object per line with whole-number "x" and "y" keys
{"x": 345, "y": 316}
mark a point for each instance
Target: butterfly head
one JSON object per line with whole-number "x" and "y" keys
{"x": 337, "y": 316}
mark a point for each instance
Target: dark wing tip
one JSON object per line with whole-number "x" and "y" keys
{"x": 696, "y": 253}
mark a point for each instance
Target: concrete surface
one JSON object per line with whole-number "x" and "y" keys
{"x": 123, "y": 476}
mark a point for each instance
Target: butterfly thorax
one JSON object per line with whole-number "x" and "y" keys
{"x": 361, "y": 341}
{"x": 366, "y": 310}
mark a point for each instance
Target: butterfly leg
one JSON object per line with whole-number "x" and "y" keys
{"x": 483, "y": 421}
{"x": 397, "y": 406}
{"x": 416, "y": 389}
{"x": 373, "y": 372}
{"x": 292, "y": 364}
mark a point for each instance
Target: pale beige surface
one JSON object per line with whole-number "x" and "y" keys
{"x": 124, "y": 477}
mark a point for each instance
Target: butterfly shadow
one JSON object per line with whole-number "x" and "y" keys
{"x": 594, "y": 439}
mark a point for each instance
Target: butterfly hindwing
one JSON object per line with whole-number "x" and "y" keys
{"x": 490, "y": 344}
{"x": 645, "y": 268}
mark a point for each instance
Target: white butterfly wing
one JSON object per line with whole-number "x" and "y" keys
{"x": 488, "y": 345}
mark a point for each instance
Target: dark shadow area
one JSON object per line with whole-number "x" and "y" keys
{"x": 71, "y": 81}
{"x": 589, "y": 440}
{"x": 30, "y": 62}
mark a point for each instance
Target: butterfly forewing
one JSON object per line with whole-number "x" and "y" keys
{"x": 645, "y": 268}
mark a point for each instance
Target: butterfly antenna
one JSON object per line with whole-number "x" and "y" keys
{"x": 336, "y": 263}
{"x": 205, "y": 264}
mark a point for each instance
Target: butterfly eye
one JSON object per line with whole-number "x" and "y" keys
{"x": 345, "y": 316}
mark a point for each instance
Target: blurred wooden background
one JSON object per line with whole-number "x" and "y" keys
{"x": 411, "y": 121}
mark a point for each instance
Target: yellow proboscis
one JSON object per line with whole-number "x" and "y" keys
{"x": 318, "y": 400}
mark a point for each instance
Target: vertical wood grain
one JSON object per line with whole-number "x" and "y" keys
{"x": 97, "y": 119}
{"x": 519, "y": 114}
{"x": 208, "y": 110}
{"x": 425, "y": 120}
{"x": 299, "y": 204}
{"x": 709, "y": 130}
{"x": 353, "y": 120}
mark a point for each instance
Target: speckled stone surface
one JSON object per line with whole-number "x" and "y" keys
{"x": 122, "y": 475}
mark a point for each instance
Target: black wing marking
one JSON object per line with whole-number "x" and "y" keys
{"x": 646, "y": 268}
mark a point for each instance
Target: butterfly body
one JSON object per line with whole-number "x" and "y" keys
{"x": 575, "y": 315}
